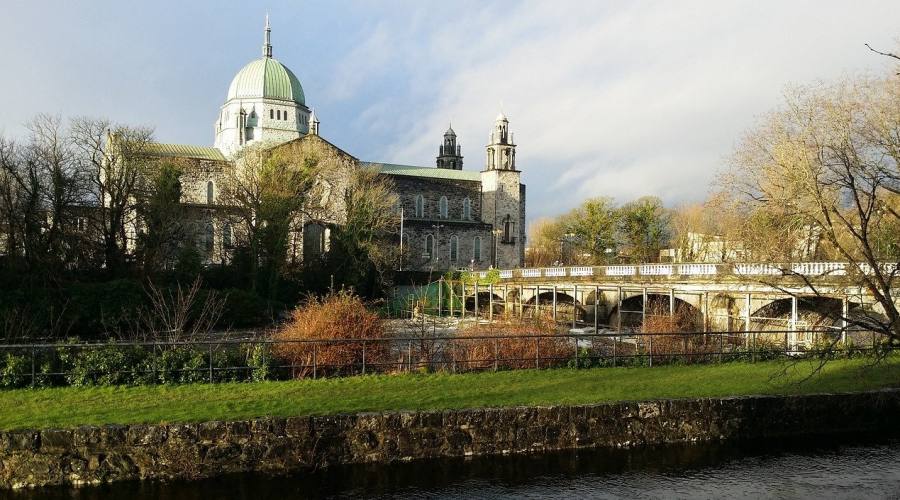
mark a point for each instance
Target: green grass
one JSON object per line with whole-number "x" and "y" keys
{"x": 68, "y": 407}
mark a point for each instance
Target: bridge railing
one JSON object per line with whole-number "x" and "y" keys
{"x": 809, "y": 269}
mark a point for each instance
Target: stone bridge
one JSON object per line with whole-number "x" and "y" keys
{"x": 713, "y": 297}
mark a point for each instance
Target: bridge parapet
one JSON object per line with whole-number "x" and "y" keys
{"x": 696, "y": 270}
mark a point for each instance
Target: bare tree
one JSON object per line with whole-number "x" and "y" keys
{"x": 116, "y": 158}
{"x": 181, "y": 313}
{"x": 361, "y": 248}
{"x": 10, "y": 198}
{"x": 824, "y": 168}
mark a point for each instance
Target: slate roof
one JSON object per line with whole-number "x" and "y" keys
{"x": 185, "y": 151}
{"x": 429, "y": 172}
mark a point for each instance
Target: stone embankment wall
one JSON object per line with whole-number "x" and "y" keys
{"x": 87, "y": 455}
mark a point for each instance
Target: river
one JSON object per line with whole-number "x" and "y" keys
{"x": 798, "y": 468}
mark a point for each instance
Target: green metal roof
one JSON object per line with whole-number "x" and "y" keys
{"x": 430, "y": 172}
{"x": 266, "y": 78}
{"x": 185, "y": 151}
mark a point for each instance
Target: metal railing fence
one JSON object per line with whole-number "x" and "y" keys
{"x": 210, "y": 360}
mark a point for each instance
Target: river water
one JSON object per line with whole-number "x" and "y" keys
{"x": 821, "y": 468}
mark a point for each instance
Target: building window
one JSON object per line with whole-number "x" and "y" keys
{"x": 508, "y": 230}
{"x": 467, "y": 209}
{"x": 476, "y": 249}
{"x": 444, "y": 208}
{"x": 209, "y": 238}
{"x": 271, "y": 114}
{"x": 210, "y": 193}
{"x": 420, "y": 206}
{"x": 454, "y": 248}
{"x": 226, "y": 235}
{"x": 429, "y": 247}
{"x": 278, "y": 114}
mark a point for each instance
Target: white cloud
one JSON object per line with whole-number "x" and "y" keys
{"x": 621, "y": 99}
{"x": 605, "y": 98}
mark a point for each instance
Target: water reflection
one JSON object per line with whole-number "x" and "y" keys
{"x": 808, "y": 468}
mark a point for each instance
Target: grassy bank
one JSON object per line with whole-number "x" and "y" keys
{"x": 67, "y": 407}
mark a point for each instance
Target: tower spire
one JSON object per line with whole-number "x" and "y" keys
{"x": 267, "y": 45}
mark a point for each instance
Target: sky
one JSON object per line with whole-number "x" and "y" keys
{"x": 605, "y": 98}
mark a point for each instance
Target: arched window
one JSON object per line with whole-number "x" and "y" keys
{"x": 278, "y": 114}
{"x": 454, "y": 248}
{"x": 467, "y": 209}
{"x": 508, "y": 229}
{"x": 429, "y": 247}
{"x": 314, "y": 241}
{"x": 420, "y": 205}
{"x": 209, "y": 238}
{"x": 226, "y": 235}
{"x": 210, "y": 193}
{"x": 271, "y": 114}
{"x": 476, "y": 249}
{"x": 444, "y": 207}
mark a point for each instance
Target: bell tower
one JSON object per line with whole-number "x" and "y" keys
{"x": 501, "y": 151}
{"x": 450, "y": 153}
{"x": 503, "y": 198}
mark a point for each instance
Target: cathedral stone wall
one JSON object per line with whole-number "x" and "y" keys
{"x": 418, "y": 257}
{"x": 431, "y": 189}
{"x": 335, "y": 168}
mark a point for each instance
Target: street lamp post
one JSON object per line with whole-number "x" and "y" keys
{"x": 496, "y": 233}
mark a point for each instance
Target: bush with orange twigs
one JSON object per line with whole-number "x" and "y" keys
{"x": 689, "y": 347}
{"x": 339, "y": 315}
{"x": 477, "y": 346}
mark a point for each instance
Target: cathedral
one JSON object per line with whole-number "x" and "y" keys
{"x": 451, "y": 218}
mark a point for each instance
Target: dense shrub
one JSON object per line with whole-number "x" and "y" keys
{"x": 107, "y": 365}
{"x": 668, "y": 346}
{"x": 118, "y": 364}
{"x": 475, "y": 347}
{"x": 340, "y": 315}
{"x": 14, "y": 370}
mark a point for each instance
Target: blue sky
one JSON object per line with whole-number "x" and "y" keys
{"x": 605, "y": 98}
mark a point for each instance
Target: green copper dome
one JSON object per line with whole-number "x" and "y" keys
{"x": 266, "y": 78}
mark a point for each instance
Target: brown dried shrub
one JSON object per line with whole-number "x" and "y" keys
{"x": 339, "y": 315}
{"x": 690, "y": 347}
{"x": 477, "y": 346}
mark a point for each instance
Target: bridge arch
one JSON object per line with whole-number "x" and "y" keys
{"x": 566, "y": 306}
{"x": 485, "y": 302}
{"x": 689, "y": 316}
{"x": 812, "y": 312}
